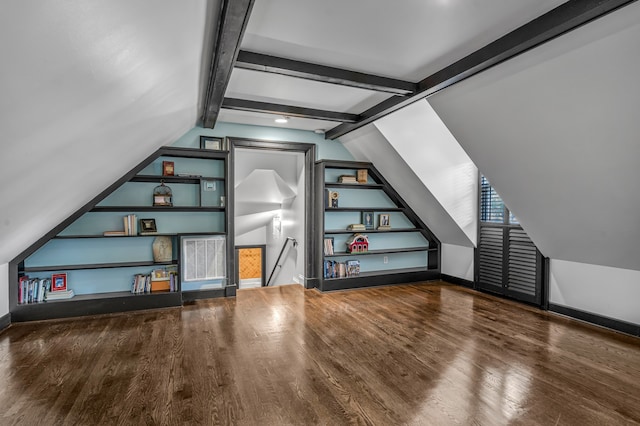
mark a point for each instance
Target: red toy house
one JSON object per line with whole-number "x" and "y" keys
{"x": 358, "y": 243}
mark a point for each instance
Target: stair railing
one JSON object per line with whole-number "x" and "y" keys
{"x": 284, "y": 246}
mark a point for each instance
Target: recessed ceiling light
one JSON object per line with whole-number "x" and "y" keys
{"x": 282, "y": 120}
{"x": 319, "y": 131}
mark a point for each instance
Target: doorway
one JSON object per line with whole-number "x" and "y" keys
{"x": 251, "y": 266}
{"x": 273, "y": 205}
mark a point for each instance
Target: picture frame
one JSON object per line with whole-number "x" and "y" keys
{"x": 168, "y": 168}
{"x": 148, "y": 227}
{"x": 368, "y": 220}
{"x": 211, "y": 143}
{"x": 59, "y": 282}
{"x": 362, "y": 175}
{"x": 384, "y": 221}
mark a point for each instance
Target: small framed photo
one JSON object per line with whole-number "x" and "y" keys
{"x": 212, "y": 143}
{"x": 384, "y": 221}
{"x": 168, "y": 168}
{"x": 367, "y": 220}
{"x": 59, "y": 282}
{"x": 148, "y": 226}
{"x": 362, "y": 176}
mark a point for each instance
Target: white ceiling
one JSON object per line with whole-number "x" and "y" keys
{"x": 407, "y": 40}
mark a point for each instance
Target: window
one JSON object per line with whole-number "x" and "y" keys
{"x": 492, "y": 209}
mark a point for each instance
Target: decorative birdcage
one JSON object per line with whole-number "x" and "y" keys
{"x": 162, "y": 195}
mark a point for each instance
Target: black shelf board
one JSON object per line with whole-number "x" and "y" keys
{"x": 209, "y": 293}
{"x": 368, "y": 274}
{"x": 71, "y": 237}
{"x": 385, "y": 251}
{"x": 380, "y": 278}
{"x": 95, "y": 304}
{"x": 344, "y": 164}
{"x": 156, "y": 209}
{"x": 96, "y": 266}
{"x": 173, "y": 179}
{"x": 354, "y": 185}
{"x": 363, "y": 209}
{"x": 371, "y": 231}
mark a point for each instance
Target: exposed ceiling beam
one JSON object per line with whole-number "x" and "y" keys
{"x": 234, "y": 17}
{"x": 291, "y": 68}
{"x": 288, "y": 110}
{"x": 554, "y": 23}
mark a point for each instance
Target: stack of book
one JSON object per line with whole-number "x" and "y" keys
{"x": 141, "y": 284}
{"x": 164, "y": 280}
{"x": 353, "y": 268}
{"x": 347, "y": 179}
{"x": 335, "y": 269}
{"x": 59, "y": 295}
{"x": 33, "y": 290}
{"x": 131, "y": 224}
{"x": 130, "y": 227}
{"x": 356, "y": 227}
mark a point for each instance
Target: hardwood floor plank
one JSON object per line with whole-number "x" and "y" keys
{"x": 419, "y": 354}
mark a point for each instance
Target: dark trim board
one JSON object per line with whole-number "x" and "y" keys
{"x": 457, "y": 281}
{"x": 193, "y": 295}
{"x": 602, "y": 321}
{"x": 5, "y": 321}
{"x": 322, "y": 73}
{"x": 564, "y": 18}
{"x": 377, "y": 280}
{"x": 82, "y": 307}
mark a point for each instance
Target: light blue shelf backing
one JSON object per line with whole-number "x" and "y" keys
{"x": 370, "y": 199}
{"x": 204, "y": 285}
{"x": 94, "y": 250}
{"x": 194, "y": 166}
{"x": 90, "y": 281}
{"x": 332, "y": 175}
{"x": 384, "y": 241}
{"x": 375, "y": 262}
{"x": 95, "y": 223}
{"x": 340, "y": 220}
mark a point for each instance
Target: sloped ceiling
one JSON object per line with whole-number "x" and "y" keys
{"x": 369, "y": 144}
{"x": 556, "y": 132}
{"x": 89, "y": 89}
{"x": 407, "y": 40}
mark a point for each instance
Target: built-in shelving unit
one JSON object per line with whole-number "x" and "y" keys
{"x": 101, "y": 268}
{"x": 405, "y": 252}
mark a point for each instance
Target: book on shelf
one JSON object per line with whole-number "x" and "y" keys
{"x": 141, "y": 284}
{"x": 328, "y": 246}
{"x": 356, "y": 227}
{"x": 347, "y": 179}
{"x": 363, "y": 176}
{"x": 59, "y": 295}
{"x": 353, "y": 268}
{"x": 130, "y": 224}
{"x": 113, "y": 233}
{"x": 33, "y": 290}
{"x": 335, "y": 269}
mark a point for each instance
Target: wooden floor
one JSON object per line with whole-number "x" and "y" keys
{"x": 428, "y": 354}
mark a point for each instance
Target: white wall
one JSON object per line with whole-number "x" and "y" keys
{"x": 556, "y": 130}
{"x": 369, "y": 144}
{"x": 457, "y": 261}
{"x": 430, "y": 150}
{"x": 602, "y": 290}
{"x": 4, "y": 289}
